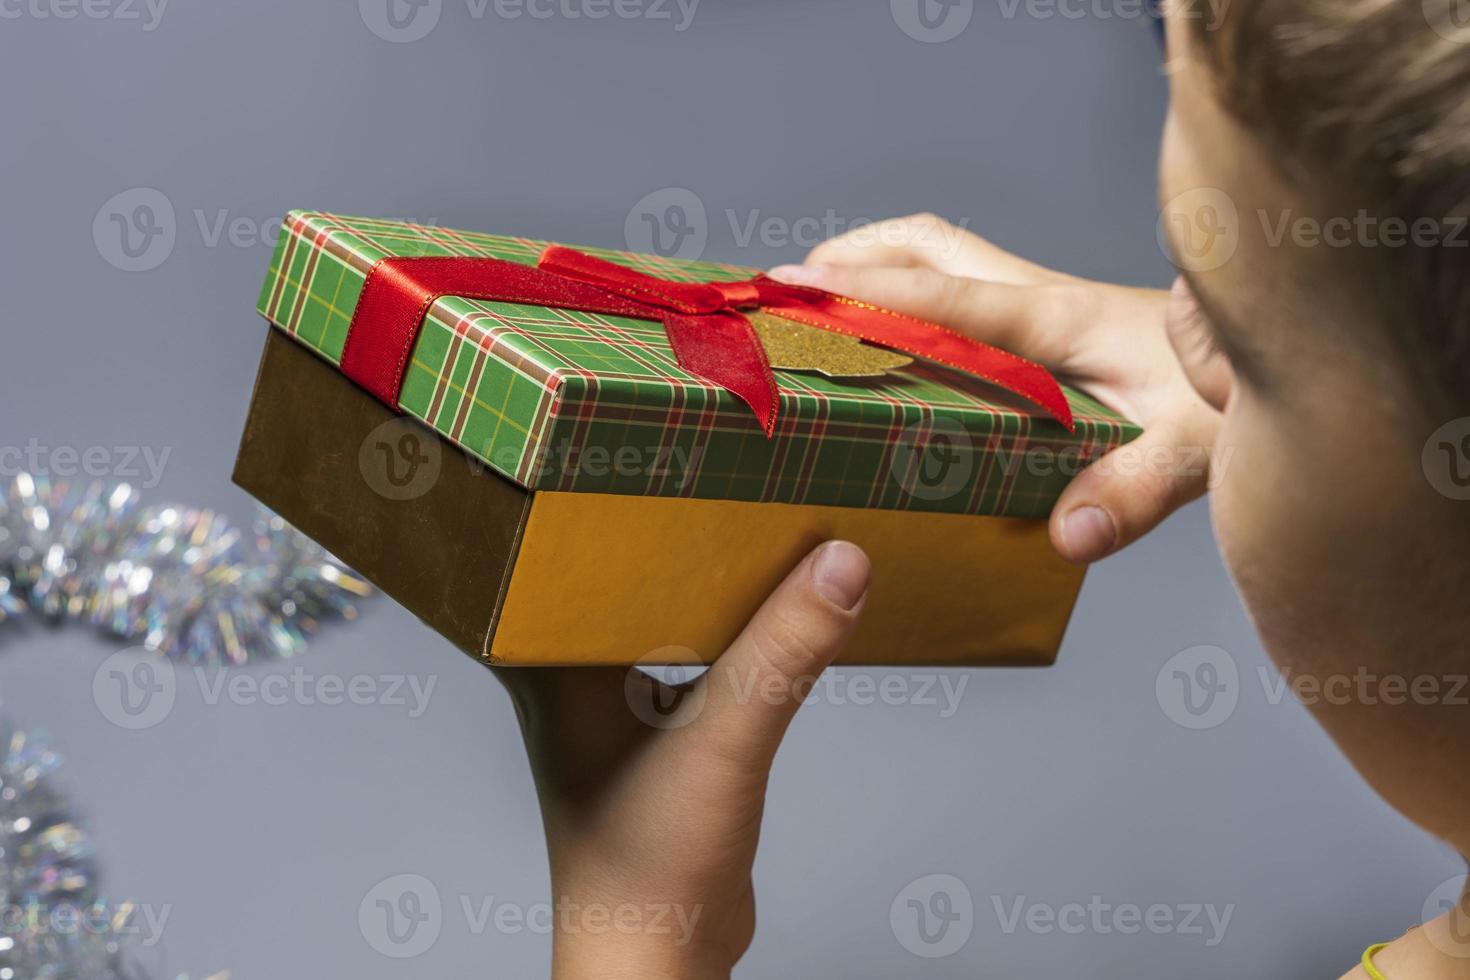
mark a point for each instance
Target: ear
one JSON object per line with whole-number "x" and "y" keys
{"x": 1193, "y": 338}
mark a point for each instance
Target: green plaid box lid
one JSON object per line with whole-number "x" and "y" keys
{"x": 556, "y": 399}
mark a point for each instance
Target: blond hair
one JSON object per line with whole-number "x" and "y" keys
{"x": 1367, "y": 102}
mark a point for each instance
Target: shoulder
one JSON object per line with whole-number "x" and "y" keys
{"x": 1357, "y": 973}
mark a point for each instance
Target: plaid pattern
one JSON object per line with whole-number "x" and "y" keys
{"x": 562, "y": 400}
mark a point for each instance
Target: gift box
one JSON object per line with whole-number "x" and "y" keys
{"x": 568, "y": 457}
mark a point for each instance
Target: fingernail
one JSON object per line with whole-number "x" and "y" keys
{"x": 797, "y": 275}
{"x": 1088, "y": 533}
{"x": 840, "y": 573}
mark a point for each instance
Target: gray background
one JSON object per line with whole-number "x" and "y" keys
{"x": 263, "y": 827}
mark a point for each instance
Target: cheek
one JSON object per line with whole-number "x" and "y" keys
{"x": 1234, "y": 509}
{"x": 1288, "y": 505}
{"x": 1257, "y": 507}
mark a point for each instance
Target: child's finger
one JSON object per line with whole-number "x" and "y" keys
{"x": 1126, "y": 493}
{"x": 756, "y": 687}
{"x": 1039, "y": 322}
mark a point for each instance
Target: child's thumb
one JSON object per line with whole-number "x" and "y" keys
{"x": 1125, "y": 494}
{"x": 758, "y": 685}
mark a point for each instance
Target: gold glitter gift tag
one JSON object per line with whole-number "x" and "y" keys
{"x": 792, "y": 346}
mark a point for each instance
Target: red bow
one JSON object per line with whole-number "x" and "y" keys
{"x": 709, "y": 335}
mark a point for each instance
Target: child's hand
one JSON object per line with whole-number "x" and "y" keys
{"x": 1108, "y": 340}
{"x": 652, "y": 818}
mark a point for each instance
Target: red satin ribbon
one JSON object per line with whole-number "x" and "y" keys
{"x": 709, "y": 335}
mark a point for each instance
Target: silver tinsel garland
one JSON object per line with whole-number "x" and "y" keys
{"x": 180, "y": 580}
{"x": 55, "y": 924}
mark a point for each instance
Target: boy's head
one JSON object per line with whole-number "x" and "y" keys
{"x": 1316, "y": 179}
